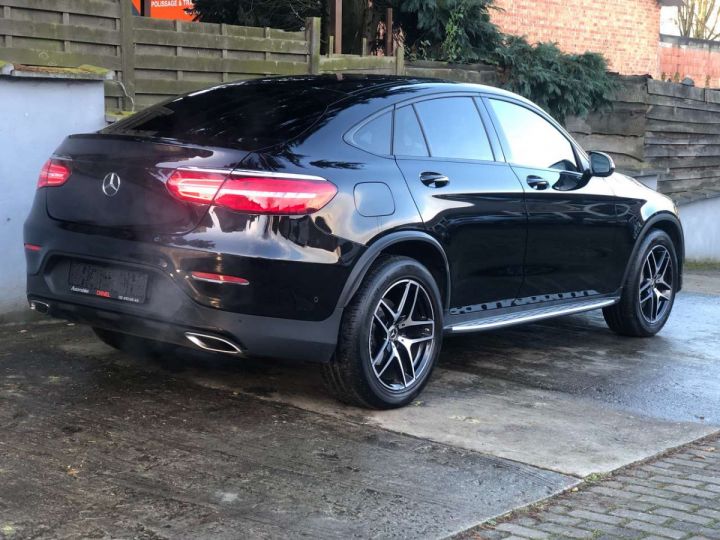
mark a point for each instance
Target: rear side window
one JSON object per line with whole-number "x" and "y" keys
{"x": 250, "y": 116}
{"x": 454, "y": 129}
{"x": 375, "y": 135}
{"x": 408, "y": 138}
{"x": 533, "y": 141}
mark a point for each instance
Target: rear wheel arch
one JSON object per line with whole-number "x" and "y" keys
{"x": 670, "y": 224}
{"x": 416, "y": 245}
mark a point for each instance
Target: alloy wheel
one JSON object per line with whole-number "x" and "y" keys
{"x": 656, "y": 290}
{"x": 402, "y": 335}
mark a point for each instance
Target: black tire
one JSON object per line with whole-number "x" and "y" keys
{"x": 135, "y": 345}
{"x": 352, "y": 376}
{"x": 629, "y": 317}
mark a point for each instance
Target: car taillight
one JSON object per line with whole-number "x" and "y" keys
{"x": 195, "y": 186}
{"x": 53, "y": 173}
{"x": 254, "y": 195}
{"x": 275, "y": 195}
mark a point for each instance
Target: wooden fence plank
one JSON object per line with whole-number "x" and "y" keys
{"x": 37, "y": 57}
{"x": 675, "y": 90}
{"x": 216, "y": 41}
{"x": 61, "y": 32}
{"x": 683, "y": 103}
{"x": 127, "y": 51}
{"x": 169, "y": 87}
{"x": 690, "y": 116}
{"x": 219, "y": 65}
{"x": 349, "y": 62}
{"x": 669, "y": 150}
{"x": 98, "y": 8}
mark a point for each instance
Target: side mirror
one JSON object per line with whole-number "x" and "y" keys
{"x": 601, "y": 164}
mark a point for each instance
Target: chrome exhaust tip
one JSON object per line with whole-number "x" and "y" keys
{"x": 40, "y": 307}
{"x": 213, "y": 343}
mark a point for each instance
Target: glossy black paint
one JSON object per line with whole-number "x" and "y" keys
{"x": 487, "y": 234}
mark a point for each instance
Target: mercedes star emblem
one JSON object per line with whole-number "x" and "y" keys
{"x": 111, "y": 184}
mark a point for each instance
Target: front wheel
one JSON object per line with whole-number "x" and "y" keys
{"x": 649, "y": 291}
{"x": 390, "y": 336}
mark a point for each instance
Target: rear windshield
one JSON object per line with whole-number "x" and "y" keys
{"x": 250, "y": 116}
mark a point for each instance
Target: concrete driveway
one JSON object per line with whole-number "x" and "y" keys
{"x": 94, "y": 442}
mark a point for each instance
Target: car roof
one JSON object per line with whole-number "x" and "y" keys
{"x": 360, "y": 86}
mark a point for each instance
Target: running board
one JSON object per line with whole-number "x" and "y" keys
{"x": 533, "y": 315}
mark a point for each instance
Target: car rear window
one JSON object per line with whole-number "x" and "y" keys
{"x": 250, "y": 116}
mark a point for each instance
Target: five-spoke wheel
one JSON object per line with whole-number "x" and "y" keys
{"x": 649, "y": 290}
{"x": 656, "y": 290}
{"x": 402, "y": 334}
{"x": 390, "y": 337}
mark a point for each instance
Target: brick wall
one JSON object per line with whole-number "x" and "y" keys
{"x": 694, "y": 58}
{"x": 625, "y": 31}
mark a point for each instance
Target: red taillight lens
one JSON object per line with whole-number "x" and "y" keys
{"x": 253, "y": 195}
{"x": 275, "y": 195}
{"x": 53, "y": 173}
{"x": 195, "y": 186}
{"x": 219, "y": 278}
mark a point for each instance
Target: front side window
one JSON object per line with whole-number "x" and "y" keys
{"x": 453, "y": 129}
{"x": 531, "y": 140}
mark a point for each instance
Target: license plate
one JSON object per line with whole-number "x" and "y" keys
{"x": 108, "y": 282}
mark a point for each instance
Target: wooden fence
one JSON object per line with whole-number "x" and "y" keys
{"x": 154, "y": 59}
{"x": 668, "y": 128}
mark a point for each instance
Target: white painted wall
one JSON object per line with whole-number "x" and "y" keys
{"x": 35, "y": 116}
{"x": 701, "y": 224}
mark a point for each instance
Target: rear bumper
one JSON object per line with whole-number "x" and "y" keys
{"x": 312, "y": 341}
{"x": 283, "y": 325}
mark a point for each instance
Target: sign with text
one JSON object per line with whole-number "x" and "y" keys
{"x": 164, "y": 9}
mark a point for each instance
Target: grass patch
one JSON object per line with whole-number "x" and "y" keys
{"x": 702, "y": 265}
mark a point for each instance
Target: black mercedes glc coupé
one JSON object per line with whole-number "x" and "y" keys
{"x": 347, "y": 220}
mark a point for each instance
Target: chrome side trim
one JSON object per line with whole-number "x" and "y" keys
{"x": 201, "y": 340}
{"x": 262, "y": 174}
{"x": 501, "y": 321}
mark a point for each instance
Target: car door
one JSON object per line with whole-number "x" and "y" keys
{"x": 468, "y": 198}
{"x": 571, "y": 215}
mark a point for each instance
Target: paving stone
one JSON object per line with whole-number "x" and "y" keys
{"x": 654, "y": 469}
{"x": 564, "y": 531}
{"x": 560, "y": 519}
{"x": 715, "y": 514}
{"x": 666, "y": 503}
{"x": 519, "y": 530}
{"x": 694, "y": 528}
{"x": 615, "y": 531}
{"x": 672, "y": 498}
{"x": 693, "y": 491}
{"x": 685, "y": 516}
{"x": 642, "y": 516}
{"x": 656, "y": 529}
{"x": 686, "y": 463}
{"x": 676, "y": 481}
{"x": 712, "y": 487}
{"x": 594, "y": 516}
{"x": 705, "y": 479}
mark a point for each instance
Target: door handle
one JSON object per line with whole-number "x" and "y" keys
{"x": 537, "y": 182}
{"x": 433, "y": 179}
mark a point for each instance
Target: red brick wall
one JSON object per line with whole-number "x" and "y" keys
{"x": 700, "y": 63}
{"x": 625, "y": 31}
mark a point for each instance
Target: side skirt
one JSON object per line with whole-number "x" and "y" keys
{"x": 511, "y": 317}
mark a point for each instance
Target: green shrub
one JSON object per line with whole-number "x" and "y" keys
{"x": 562, "y": 84}
{"x": 458, "y": 30}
